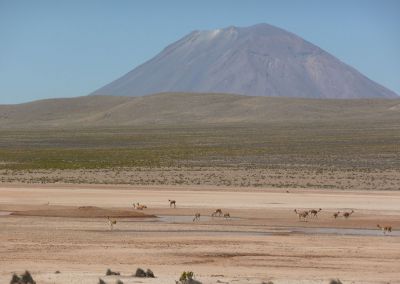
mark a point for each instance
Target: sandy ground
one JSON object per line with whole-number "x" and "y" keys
{"x": 262, "y": 241}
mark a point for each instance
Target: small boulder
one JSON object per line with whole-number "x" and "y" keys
{"x": 110, "y": 272}
{"x": 140, "y": 273}
{"x": 149, "y": 273}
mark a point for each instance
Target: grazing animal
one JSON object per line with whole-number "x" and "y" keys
{"x": 172, "y": 202}
{"x": 217, "y": 212}
{"x": 385, "y": 229}
{"x": 348, "y": 214}
{"x": 140, "y": 206}
{"x": 302, "y": 214}
{"x": 196, "y": 217}
{"x": 336, "y": 214}
{"x": 227, "y": 216}
{"x": 111, "y": 223}
{"x": 315, "y": 212}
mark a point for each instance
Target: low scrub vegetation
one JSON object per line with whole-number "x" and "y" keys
{"x": 274, "y": 144}
{"x": 187, "y": 277}
{"x": 279, "y": 155}
{"x": 25, "y": 278}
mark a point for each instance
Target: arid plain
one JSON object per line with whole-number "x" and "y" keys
{"x": 262, "y": 241}
{"x": 59, "y": 182}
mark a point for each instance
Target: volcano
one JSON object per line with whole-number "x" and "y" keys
{"x": 261, "y": 60}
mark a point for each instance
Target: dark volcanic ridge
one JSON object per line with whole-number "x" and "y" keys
{"x": 260, "y": 60}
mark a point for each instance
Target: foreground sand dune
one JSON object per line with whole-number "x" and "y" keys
{"x": 263, "y": 241}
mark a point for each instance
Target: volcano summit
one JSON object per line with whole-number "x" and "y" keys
{"x": 261, "y": 60}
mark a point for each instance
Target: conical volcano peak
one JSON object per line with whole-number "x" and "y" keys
{"x": 259, "y": 60}
{"x": 264, "y": 29}
{"x": 215, "y": 33}
{"x": 259, "y": 30}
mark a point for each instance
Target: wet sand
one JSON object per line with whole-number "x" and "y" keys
{"x": 262, "y": 241}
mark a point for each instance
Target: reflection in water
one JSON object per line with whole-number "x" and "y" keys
{"x": 171, "y": 219}
{"x": 283, "y": 230}
{"x": 182, "y": 219}
{"x": 343, "y": 231}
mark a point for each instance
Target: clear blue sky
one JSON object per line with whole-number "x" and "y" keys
{"x": 72, "y": 47}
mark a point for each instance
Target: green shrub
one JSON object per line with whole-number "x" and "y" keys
{"x": 14, "y": 279}
{"x": 187, "y": 278}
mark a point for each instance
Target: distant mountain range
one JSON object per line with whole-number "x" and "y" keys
{"x": 260, "y": 60}
{"x": 193, "y": 109}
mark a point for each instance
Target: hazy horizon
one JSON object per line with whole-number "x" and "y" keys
{"x": 69, "y": 49}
